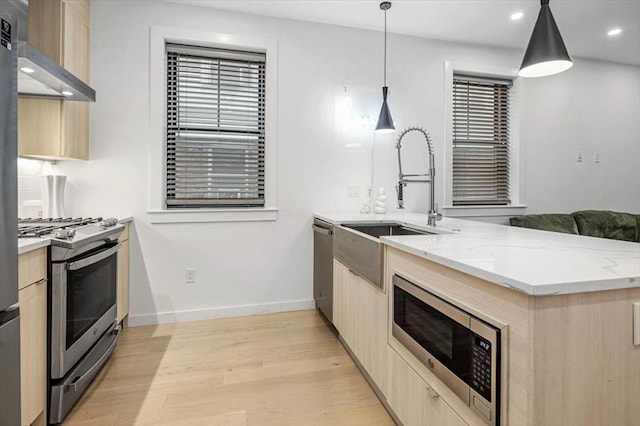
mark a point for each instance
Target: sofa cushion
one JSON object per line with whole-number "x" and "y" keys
{"x": 607, "y": 224}
{"x": 556, "y": 222}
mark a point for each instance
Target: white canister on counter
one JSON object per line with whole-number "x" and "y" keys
{"x": 53, "y": 196}
{"x": 380, "y": 205}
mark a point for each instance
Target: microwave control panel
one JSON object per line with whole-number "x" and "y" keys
{"x": 481, "y": 366}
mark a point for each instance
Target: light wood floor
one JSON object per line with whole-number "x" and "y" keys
{"x": 275, "y": 369}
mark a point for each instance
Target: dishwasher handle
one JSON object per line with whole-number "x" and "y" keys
{"x": 321, "y": 230}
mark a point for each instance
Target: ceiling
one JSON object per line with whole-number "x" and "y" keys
{"x": 583, "y": 23}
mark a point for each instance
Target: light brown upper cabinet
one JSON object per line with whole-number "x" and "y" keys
{"x": 54, "y": 129}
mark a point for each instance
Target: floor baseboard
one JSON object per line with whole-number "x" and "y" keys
{"x": 224, "y": 312}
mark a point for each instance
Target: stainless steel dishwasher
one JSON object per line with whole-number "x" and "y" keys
{"x": 323, "y": 267}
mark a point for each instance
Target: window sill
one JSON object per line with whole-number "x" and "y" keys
{"x": 484, "y": 211}
{"x": 213, "y": 215}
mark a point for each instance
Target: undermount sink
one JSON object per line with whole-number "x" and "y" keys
{"x": 378, "y": 230}
{"x": 358, "y": 247}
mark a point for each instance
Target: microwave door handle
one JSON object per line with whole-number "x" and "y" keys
{"x": 82, "y": 263}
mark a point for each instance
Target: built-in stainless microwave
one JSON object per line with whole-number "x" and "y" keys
{"x": 460, "y": 349}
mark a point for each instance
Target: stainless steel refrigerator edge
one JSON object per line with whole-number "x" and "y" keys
{"x": 9, "y": 317}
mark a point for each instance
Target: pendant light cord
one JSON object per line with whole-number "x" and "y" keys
{"x": 385, "y": 47}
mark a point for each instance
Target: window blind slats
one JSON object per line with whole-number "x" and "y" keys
{"x": 215, "y": 150}
{"x": 480, "y": 141}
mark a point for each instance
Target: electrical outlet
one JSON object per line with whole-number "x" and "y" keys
{"x": 579, "y": 157}
{"x": 354, "y": 191}
{"x": 596, "y": 157}
{"x": 190, "y": 275}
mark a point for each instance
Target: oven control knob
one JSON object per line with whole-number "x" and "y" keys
{"x": 107, "y": 223}
{"x": 64, "y": 233}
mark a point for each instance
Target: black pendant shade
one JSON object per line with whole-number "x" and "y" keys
{"x": 546, "y": 53}
{"x": 385, "y": 122}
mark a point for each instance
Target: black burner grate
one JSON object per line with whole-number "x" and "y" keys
{"x": 38, "y": 227}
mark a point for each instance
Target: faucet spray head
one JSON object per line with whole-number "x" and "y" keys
{"x": 400, "y": 192}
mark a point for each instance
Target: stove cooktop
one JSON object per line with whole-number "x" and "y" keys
{"x": 38, "y": 227}
{"x": 68, "y": 232}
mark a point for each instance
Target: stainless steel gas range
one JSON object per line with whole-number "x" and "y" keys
{"x": 82, "y": 329}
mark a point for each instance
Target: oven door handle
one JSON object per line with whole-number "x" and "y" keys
{"x": 82, "y": 263}
{"x": 72, "y": 387}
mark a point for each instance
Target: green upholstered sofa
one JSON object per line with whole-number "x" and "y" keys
{"x": 593, "y": 223}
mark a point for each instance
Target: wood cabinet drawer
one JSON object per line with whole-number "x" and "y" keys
{"x": 414, "y": 400}
{"x": 32, "y": 267}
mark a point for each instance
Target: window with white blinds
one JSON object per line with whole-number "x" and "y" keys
{"x": 480, "y": 141}
{"x": 215, "y": 145}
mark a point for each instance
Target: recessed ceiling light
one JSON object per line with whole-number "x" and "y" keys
{"x": 517, "y": 16}
{"x": 614, "y": 32}
{"x": 67, "y": 93}
{"x": 27, "y": 70}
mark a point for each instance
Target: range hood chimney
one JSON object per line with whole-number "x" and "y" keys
{"x": 41, "y": 77}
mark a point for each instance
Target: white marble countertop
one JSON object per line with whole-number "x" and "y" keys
{"x": 26, "y": 245}
{"x": 534, "y": 262}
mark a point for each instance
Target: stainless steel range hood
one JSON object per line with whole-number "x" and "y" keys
{"x": 41, "y": 77}
{"x": 38, "y": 75}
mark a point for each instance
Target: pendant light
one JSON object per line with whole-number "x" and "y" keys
{"x": 546, "y": 53}
{"x": 385, "y": 122}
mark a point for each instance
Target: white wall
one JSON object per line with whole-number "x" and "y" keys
{"x": 594, "y": 106}
{"x": 29, "y": 188}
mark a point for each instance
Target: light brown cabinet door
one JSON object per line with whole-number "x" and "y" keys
{"x": 33, "y": 339}
{"x": 39, "y": 131}
{"x": 339, "y": 298}
{"x": 360, "y": 315}
{"x": 406, "y": 394}
{"x": 413, "y": 400}
{"x": 436, "y": 411}
{"x": 76, "y": 38}
{"x": 369, "y": 304}
{"x": 123, "y": 282}
{"x": 52, "y": 129}
{"x": 75, "y": 130}
{"x": 44, "y": 27}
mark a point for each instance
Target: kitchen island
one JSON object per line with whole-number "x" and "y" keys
{"x": 564, "y": 304}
